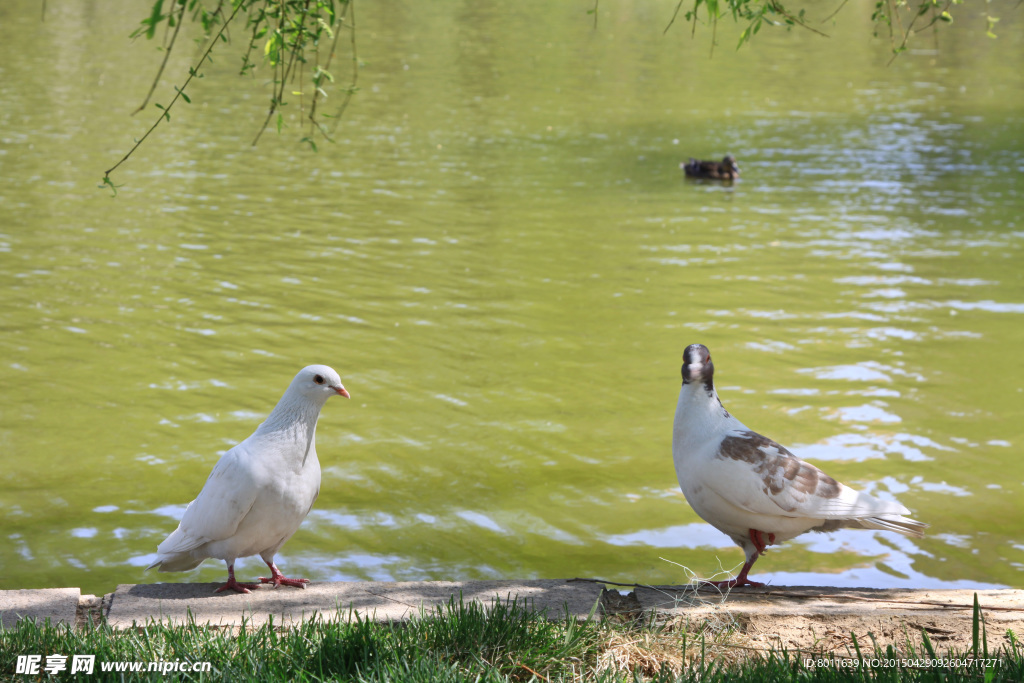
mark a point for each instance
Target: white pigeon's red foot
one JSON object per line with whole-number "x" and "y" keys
{"x": 235, "y": 585}
{"x": 279, "y": 579}
{"x": 284, "y": 581}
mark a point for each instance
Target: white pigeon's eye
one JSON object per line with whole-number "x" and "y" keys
{"x": 319, "y": 379}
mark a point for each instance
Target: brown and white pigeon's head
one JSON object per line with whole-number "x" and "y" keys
{"x": 318, "y": 382}
{"x": 697, "y": 366}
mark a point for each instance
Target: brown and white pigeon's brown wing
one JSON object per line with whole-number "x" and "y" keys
{"x": 759, "y": 475}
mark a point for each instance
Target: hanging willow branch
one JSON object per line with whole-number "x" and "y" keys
{"x": 297, "y": 38}
{"x": 898, "y": 17}
{"x": 168, "y": 47}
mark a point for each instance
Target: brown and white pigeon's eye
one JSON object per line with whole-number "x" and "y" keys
{"x": 319, "y": 379}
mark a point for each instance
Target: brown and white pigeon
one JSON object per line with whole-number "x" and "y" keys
{"x": 751, "y": 488}
{"x": 259, "y": 491}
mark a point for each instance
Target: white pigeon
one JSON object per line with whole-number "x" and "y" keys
{"x": 751, "y": 488}
{"x": 259, "y": 491}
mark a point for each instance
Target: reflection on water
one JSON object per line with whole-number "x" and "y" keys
{"x": 883, "y": 560}
{"x": 856, "y": 447}
{"x": 503, "y": 261}
{"x": 693, "y": 536}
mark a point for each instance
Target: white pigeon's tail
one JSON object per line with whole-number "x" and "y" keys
{"x": 175, "y": 553}
{"x": 181, "y": 562}
{"x": 898, "y": 523}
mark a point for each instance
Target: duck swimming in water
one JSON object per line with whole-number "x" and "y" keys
{"x": 726, "y": 169}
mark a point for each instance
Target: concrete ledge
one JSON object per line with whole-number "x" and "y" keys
{"x": 810, "y": 619}
{"x": 822, "y": 619}
{"x": 59, "y": 605}
{"x": 173, "y": 602}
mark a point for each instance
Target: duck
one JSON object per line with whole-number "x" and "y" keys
{"x": 726, "y": 169}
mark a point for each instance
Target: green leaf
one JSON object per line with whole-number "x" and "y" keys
{"x": 744, "y": 37}
{"x": 155, "y": 17}
{"x": 991, "y": 25}
{"x": 946, "y": 17}
{"x": 322, "y": 73}
{"x": 976, "y": 618}
{"x": 272, "y": 50}
{"x": 327, "y": 27}
{"x": 107, "y": 182}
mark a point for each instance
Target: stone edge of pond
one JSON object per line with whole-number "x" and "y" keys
{"x": 798, "y": 617}
{"x": 822, "y": 619}
{"x": 59, "y": 605}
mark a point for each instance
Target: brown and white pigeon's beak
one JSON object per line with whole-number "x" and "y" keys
{"x": 693, "y": 371}
{"x": 342, "y": 392}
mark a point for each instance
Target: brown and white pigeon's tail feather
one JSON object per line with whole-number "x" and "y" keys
{"x": 898, "y": 523}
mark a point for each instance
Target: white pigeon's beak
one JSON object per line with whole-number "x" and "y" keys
{"x": 341, "y": 392}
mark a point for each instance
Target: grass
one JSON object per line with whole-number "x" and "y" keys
{"x": 466, "y": 642}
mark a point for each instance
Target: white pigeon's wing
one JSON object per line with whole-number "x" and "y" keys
{"x": 215, "y": 514}
{"x": 758, "y": 475}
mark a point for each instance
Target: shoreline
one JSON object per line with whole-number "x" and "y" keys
{"x": 791, "y": 617}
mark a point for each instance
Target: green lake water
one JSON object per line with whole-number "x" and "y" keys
{"x": 501, "y": 258}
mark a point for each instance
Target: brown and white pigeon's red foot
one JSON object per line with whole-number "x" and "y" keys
{"x": 235, "y": 585}
{"x": 757, "y": 538}
{"x": 740, "y": 580}
{"x": 279, "y": 579}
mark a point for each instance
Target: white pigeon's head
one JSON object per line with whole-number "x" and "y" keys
{"x": 317, "y": 382}
{"x": 697, "y": 366}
